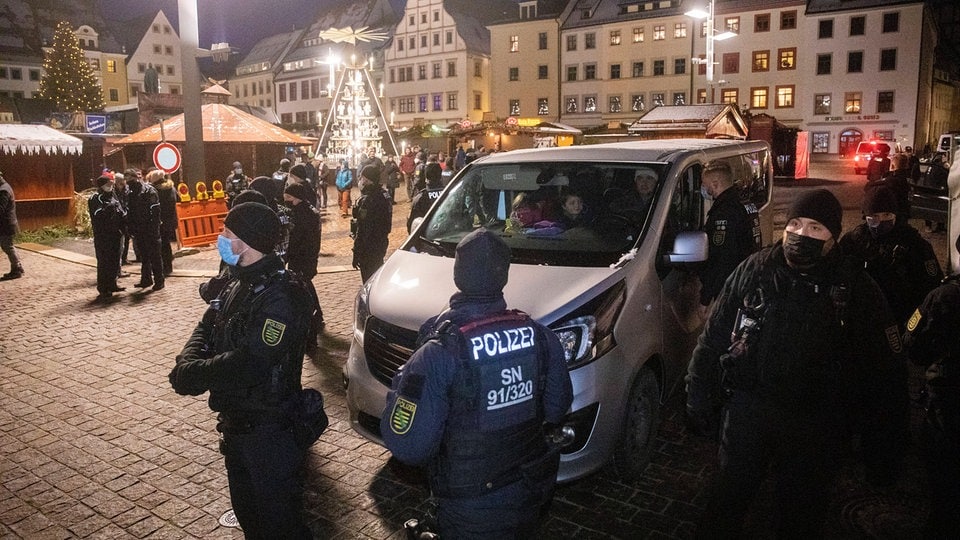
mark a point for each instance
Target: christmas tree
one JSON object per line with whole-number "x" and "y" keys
{"x": 68, "y": 79}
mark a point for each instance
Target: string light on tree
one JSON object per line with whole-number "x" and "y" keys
{"x": 68, "y": 79}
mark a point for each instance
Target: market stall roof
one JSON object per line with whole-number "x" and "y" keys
{"x": 37, "y": 139}
{"x": 221, "y": 124}
{"x": 715, "y": 120}
{"x": 557, "y": 127}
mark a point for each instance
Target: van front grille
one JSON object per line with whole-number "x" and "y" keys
{"x": 387, "y": 348}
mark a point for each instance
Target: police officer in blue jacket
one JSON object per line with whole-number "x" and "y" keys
{"x": 477, "y": 400}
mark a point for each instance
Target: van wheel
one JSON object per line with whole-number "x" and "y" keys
{"x": 632, "y": 453}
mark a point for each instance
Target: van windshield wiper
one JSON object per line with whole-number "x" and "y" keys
{"x": 438, "y": 245}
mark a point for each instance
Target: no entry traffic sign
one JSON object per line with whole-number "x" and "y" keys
{"x": 166, "y": 157}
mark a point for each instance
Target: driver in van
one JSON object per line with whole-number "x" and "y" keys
{"x": 637, "y": 201}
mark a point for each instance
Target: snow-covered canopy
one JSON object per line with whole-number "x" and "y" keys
{"x": 36, "y": 139}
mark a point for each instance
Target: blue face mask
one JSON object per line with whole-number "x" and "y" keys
{"x": 704, "y": 194}
{"x": 225, "y": 248}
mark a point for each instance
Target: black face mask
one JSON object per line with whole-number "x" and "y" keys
{"x": 802, "y": 252}
{"x": 881, "y": 228}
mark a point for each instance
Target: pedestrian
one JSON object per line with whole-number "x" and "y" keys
{"x": 237, "y": 181}
{"x": 299, "y": 174}
{"x": 131, "y": 180}
{"x": 247, "y": 351}
{"x": 931, "y": 339}
{"x": 372, "y": 220}
{"x": 733, "y": 230}
{"x": 107, "y": 219}
{"x": 426, "y": 194}
{"x": 898, "y": 181}
{"x": 121, "y": 193}
{"x": 167, "y": 195}
{"x": 390, "y": 177}
{"x": 9, "y": 226}
{"x": 327, "y": 177}
{"x": 280, "y": 179}
{"x": 303, "y": 247}
{"x": 901, "y": 261}
{"x": 476, "y": 414}
{"x": 144, "y": 222}
{"x": 879, "y": 164}
{"x": 460, "y": 161}
{"x": 344, "y": 181}
{"x": 799, "y": 350}
{"x": 449, "y": 168}
{"x": 407, "y": 166}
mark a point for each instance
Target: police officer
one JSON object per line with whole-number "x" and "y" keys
{"x": 303, "y": 248}
{"x": 236, "y": 182}
{"x": 799, "y": 349}
{"x": 733, "y": 232}
{"x": 372, "y": 221}
{"x": 894, "y": 254}
{"x": 427, "y": 193}
{"x": 247, "y": 351}
{"x": 931, "y": 339}
{"x": 472, "y": 402}
{"x": 107, "y": 218}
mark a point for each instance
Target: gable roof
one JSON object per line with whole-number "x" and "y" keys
{"x": 272, "y": 49}
{"x": 472, "y": 22}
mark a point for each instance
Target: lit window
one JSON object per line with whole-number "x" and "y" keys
{"x": 680, "y": 30}
{"x": 659, "y": 32}
{"x": 761, "y": 60}
{"x": 615, "y": 37}
{"x": 638, "y": 35}
{"x": 787, "y": 58}
{"x": 785, "y": 96}
{"x": 852, "y": 102}
{"x": 758, "y": 98}
{"x": 514, "y": 43}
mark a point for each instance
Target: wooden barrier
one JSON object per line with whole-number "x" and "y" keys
{"x": 200, "y": 222}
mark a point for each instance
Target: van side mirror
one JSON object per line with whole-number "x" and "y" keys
{"x": 688, "y": 247}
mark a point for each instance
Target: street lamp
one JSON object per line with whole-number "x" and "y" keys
{"x": 712, "y": 36}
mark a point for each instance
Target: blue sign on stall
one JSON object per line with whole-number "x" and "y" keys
{"x": 96, "y": 123}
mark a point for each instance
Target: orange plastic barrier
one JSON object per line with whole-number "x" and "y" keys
{"x": 201, "y": 221}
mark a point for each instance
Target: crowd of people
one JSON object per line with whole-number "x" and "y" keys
{"x": 803, "y": 356}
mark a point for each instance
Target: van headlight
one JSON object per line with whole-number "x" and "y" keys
{"x": 588, "y": 332}
{"x": 361, "y": 311}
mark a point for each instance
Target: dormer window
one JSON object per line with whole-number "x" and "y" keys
{"x": 528, "y": 10}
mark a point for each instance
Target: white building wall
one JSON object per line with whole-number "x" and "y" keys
{"x": 159, "y": 46}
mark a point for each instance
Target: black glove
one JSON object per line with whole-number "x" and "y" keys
{"x": 179, "y": 382}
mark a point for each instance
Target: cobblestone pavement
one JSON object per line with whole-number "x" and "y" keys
{"x": 95, "y": 444}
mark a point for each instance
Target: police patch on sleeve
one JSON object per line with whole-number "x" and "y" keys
{"x": 932, "y": 267}
{"x": 914, "y": 320}
{"x": 272, "y": 332}
{"x": 893, "y": 338}
{"x": 401, "y": 418}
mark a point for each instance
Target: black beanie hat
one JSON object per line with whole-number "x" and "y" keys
{"x": 103, "y": 180}
{"x": 433, "y": 173}
{"x": 250, "y": 195}
{"x": 481, "y": 264}
{"x": 256, "y": 224}
{"x": 297, "y": 190}
{"x": 371, "y": 172}
{"x": 820, "y": 205}
{"x": 879, "y": 199}
{"x": 300, "y": 171}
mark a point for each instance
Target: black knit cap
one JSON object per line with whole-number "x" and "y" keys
{"x": 433, "y": 173}
{"x": 299, "y": 170}
{"x": 879, "y": 199}
{"x": 249, "y": 195}
{"x": 820, "y": 205}
{"x": 371, "y": 173}
{"x": 256, "y": 224}
{"x": 296, "y": 190}
{"x": 482, "y": 263}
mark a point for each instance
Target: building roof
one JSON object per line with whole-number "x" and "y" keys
{"x": 271, "y": 49}
{"x": 130, "y": 33}
{"x": 472, "y": 22}
{"x": 546, "y": 9}
{"x": 827, "y": 6}
{"x": 221, "y": 124}
{"x": 36, "y": 139}
{"x": 716, "y": 120}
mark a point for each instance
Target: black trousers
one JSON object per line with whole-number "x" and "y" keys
{"x": 107, "y": 250}
{"x": 151, "y": 261}
{"x": 940, "y": 448}
{"x": 166, "y": 251}
{"x": 263, "y": 473}
{"x": 800, "y": 451}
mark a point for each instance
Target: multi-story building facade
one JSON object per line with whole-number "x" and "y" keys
{"x": 843, "y": 71}
{"x": 525, "y": 79}
{"x": 253, "y": 83}
{"x": 438, "y": 63}
{"x": 154, "y": 42}
{"x": 20, "y": 75}
{"x": 109, "y": 66}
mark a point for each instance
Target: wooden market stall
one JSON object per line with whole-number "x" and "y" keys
{"x": 39, "y": 163}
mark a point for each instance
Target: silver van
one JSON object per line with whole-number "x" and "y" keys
{"x": 619, "y": 289}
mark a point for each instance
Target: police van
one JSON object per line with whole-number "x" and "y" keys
{"x": 620, "y": 290}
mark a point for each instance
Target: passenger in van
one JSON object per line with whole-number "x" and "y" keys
{"x": 524, "y": 214}
{"x": 635, "y": 203}
{"x": 733, "y": 233}
{"x": 575, "y": 212}
{"x": 800, "y": 348}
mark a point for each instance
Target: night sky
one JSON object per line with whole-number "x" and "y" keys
{"x": 239, "y": 22}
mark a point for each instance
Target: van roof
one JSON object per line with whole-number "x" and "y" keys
{"x": 665, "y": 150}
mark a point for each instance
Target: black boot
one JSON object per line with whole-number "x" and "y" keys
{"x": 14, "y": 273}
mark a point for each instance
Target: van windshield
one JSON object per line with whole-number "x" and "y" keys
{"x": 551, "y": 213}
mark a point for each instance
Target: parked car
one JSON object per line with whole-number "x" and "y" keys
{"x": 866, "y": 149}
{"x": 621, "y": 293}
